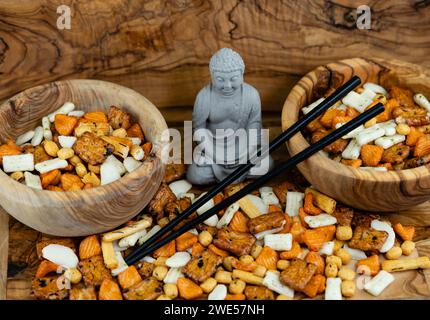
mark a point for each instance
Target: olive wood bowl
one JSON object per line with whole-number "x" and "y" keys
{"x": 90, "y": 211}
{"x": 363, "y": 189}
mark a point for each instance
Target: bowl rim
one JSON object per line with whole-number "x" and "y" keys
{"x": 319, "y": 161}
{"x": 100, "y": 191}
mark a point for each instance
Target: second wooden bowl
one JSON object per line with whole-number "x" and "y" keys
{"x": 79, "y": 213}
{"x": 362, "y": 189}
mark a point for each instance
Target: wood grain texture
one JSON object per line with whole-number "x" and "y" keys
{"x": 161, "y": 48}
{"x": 4, "y": 249}
{"x": 76, "y": 213}
{"x": 363, "y": 189}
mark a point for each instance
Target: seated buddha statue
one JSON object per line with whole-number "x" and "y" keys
{"x": 225, "y": 111}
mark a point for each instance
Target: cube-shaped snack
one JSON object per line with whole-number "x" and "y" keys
{"x": 163, "y": 196}
{"x": 94, "y": 271}
{"x": 50, "y": 288}
{"x": 238, "y": 243}
{"x": 148, "y": 289}
{"x": 81, "y": 292}
{"x": 367, "y": 239}
{"x": 258, "y": 293}
{"x": 202, "y": 267}
{"x": 145, "y": 269}
{"x": 298, "y": 274}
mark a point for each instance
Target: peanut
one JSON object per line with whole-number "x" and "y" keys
{"x": 205, "y": 238}
{"x": 256, "y": 250}
{"x": 283, "y": 264}
{"x": 394, "y": 253}
{"x": 65, "y": 153}
{"x": 161, "y": 261}
{"x": 51, "y": 148}
{"x": 120, "y": 133}
{"x": 283, "y": 297}
{"x": 343, "y": 233}
{"x": 344, "y": 255}
{"x": 160, "y": 272}
{"x": 75, "y": 160}
{"x": 407, "y": 247}
{"x": 246, "y": 259}
{"x": 73, "y": 275}
{"x": 170, "y": 290}
{"x": 163, "y": 297}
{"x": 163, "y": 221}
{"x": 94, "y": 169}
{"x": 370, "y": 123}
{"x": 403, "y": 129}
{"x": 81, "y": 171}
{"x": 91, "y": 178}
{"x": 208, "y": 285}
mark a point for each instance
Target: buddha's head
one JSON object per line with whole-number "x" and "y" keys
{"x": 226, "y": 68}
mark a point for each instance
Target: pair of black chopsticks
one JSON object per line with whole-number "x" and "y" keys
{"x": 158, "y": 239}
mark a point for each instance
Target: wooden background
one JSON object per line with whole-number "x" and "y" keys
{"x": 161, "y": 48}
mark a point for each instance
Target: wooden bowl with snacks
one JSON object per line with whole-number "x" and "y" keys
{"x": 400, "y": 185}
{"x": 99, "y": 208}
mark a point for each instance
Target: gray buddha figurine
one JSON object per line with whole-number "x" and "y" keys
{"x": 223, "y": 111}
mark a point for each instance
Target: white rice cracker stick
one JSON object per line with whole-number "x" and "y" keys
{"x": 352, "y": 150}
{"x": 356, "y": 101}
{"x": 268, "y": 196}
{"x": 312, "y": 106}
{"x": 64, "y": 109}
{"x": 20, "y": 162}
{"x": 353, "y": 133}
{"x": 46, "y": 125}
{"x": 388, "y": 142}
{"x": 38, "y": 136}
{"x": 50, "y": 165}
{"x": 333, "y": 289}
{"x": 422, "y": 101}
{"x": 228, "y": 215}
{"x": 369, "y": 135}
{"x": 294, "y": 203}
{"x": 25, "y": 137}
{"x": 375, "y": 88}
{"x": 378, "y": 283}
{"x": 320, "y": 220}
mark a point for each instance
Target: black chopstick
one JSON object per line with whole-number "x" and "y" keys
{"x": 239, "y": 172}
{"x": 303, "y": 155}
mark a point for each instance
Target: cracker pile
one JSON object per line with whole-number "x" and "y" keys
{"x": 396, "y": 139}
{"x": 284, "y": 242}
{"x": 73, "y": 150}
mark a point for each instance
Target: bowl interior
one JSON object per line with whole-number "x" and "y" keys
{"x": 84, "y": 211}
{"x": 326, "y": 78}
